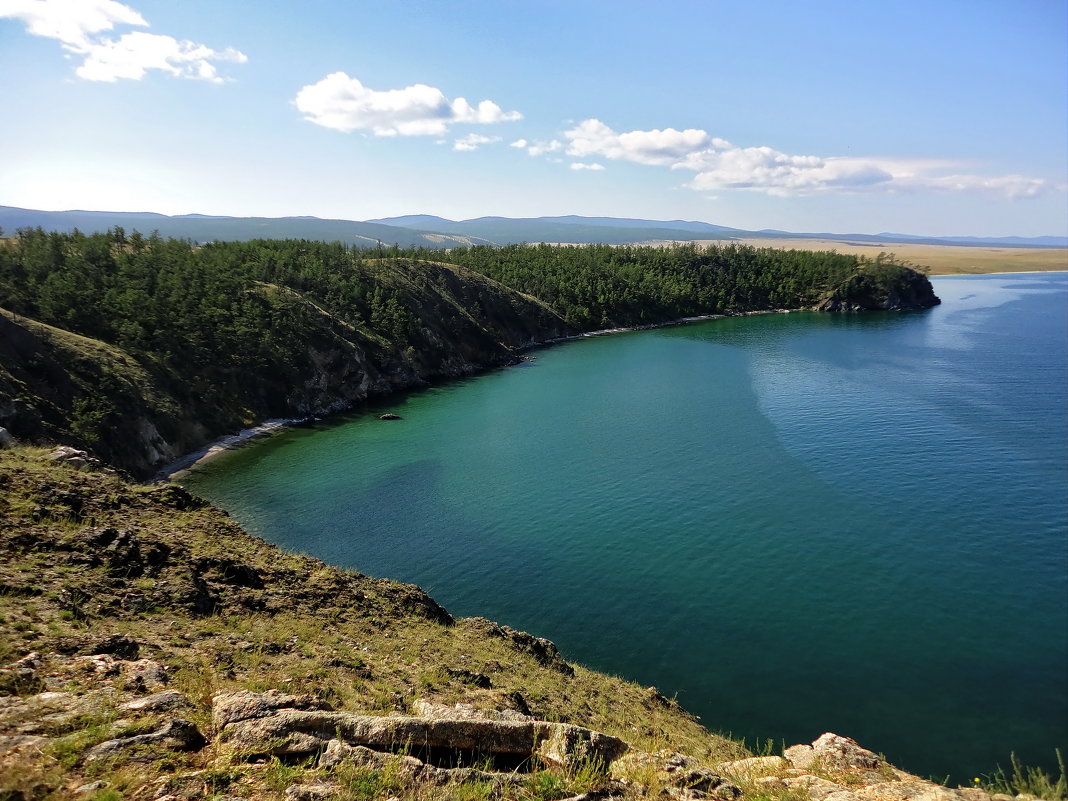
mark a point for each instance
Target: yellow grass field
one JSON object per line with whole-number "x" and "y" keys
{"x": 941, "y": 259}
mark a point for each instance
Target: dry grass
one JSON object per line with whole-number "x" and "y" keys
{"x": 357, "y": 643}
{"x": 941, "y": 259}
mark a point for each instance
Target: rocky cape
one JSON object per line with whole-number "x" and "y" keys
{"x": 151, "y": 649}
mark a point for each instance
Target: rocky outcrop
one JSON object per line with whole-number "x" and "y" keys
{"x": 544, "y": 651}
{"x": 836, "y": 768}
{"x": 881, "y": 287}
{"x": 274, "y": 724}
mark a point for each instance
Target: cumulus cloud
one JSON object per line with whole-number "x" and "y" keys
{"x": 718, "y": 164}
{"x": 666, "y": 147}
{"x": 473, "y": 142}
{"x": 580, "y": 165}
{"x": 342, "y": 103}
{"x": 79, "y": 26}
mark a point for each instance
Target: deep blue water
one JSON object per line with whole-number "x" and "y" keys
{"x": 797, "y": 523}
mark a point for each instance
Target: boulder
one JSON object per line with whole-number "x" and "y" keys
{"x": 79, "y": 460}
{"x": 6, "y": 440}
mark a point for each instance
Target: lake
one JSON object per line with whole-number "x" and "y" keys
{"x": 796, "y": 523}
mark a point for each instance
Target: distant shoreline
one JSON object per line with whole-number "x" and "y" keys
{"x": 1008, "y": 272}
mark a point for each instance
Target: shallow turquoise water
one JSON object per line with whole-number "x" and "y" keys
{"x": 796, "y": 523}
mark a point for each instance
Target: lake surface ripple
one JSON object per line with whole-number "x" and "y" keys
{"x": 797, "y": 523}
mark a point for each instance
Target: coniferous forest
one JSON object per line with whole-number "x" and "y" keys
{"x": 182, "y": 342}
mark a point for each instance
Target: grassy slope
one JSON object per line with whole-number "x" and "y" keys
{"x": 224, "y": 610}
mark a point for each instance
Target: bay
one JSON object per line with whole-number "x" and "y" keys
{"x": 794, "y": 523}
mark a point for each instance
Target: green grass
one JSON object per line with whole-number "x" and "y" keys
{"x": 1024, "y": 779}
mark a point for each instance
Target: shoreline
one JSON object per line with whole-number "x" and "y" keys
{"x": 229, "y": 442}
{"x": 224, "y": 443}
{"x": 1010, "y": 272}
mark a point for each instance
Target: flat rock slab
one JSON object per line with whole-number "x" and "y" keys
{"x": 266, "y": 724}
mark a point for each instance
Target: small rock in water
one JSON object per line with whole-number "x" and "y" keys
{"x": 389, "y": 416}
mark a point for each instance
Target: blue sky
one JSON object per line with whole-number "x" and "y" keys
{"x": 936, "y": 118}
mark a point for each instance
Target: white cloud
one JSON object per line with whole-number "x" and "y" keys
{"x": 70, "y": 21}
{"x": 342, "y": 103}
{"x": 78, "y": 25}
{"x": 718, "y": 164}
{"x": 133, "y": 54}
{"x": 593, "y": 137}
{"x": 580, "y": 165}
{"x": 538, "y": 147}
{"x": 474, "y": 141}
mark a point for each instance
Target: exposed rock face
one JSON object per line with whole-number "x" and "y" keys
{"x": 276, "y": 725}
{"x": 544, "y": 651}
{"x": 875, "y": 289}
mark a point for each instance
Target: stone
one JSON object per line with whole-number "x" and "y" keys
{"x": 91, "y": 787}
{"x": 178, "y": 734}
{"x": 802, "y": 757}
{"x": 462, "y": 711}
{"x": 678, "y": 771}
{"x": 6, "y": 440}
{"x": 21, "y": 677}
{"x": 408, "y": 767}
{"x": 145, "y": 675}
{"x": 815, "y": 787}
{"x": 754, "y": 767}
{"x": 227, "y": 708}
{"x": 544, "y": 651}
{"x": 312, "y": 791}
{"x": 835, "y": 752}
{"x": 273, "y": 724}
{"x": 79, "y": 460}
{"x": 389, "y": 416}
{"x": 166, "y": 701}
{"x": 117, "y": 645}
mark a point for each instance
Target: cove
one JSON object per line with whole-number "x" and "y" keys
{"x": 796, "y": 523}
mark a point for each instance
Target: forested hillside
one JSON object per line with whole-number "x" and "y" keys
{"x": 143, "y": 348}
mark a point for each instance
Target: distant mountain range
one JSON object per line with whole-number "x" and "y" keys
{"x": 424, "y": 230}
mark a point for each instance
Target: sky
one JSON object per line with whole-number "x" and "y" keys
{"x": 933, "y": 118}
